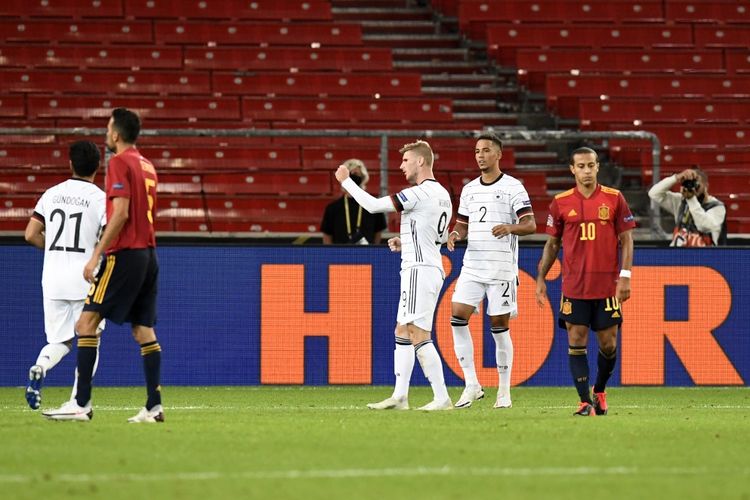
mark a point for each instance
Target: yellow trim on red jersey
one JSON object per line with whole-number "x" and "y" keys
{"x": 610, "y": 190}
{"x": 564, "y": 193}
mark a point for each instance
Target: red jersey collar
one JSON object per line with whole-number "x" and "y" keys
{"x": 579, "y": 194}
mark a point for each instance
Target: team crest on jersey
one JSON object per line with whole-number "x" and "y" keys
{"x": 604, "y": 213}
{"x": 567, "y": 307}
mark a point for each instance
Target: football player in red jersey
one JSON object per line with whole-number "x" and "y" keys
{"x": 124, "y": 288}
{"x": 593, "y": 223}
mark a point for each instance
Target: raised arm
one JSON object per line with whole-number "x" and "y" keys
{"x": 365, "y": 199}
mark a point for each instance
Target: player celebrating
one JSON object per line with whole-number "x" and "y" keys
{"x": 592, "y": 221}
{"x": 125, "y": 287}
{"x": 494, "y": 210}
{"x": 66, "y": 223}
{"x": 425, "y": 213}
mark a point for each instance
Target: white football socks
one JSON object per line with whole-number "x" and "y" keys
{"x": 50, "y": 355}
{"x": 432, "y": 366}
{"x": 403, "y": 364}
{"x": 504, "y": 358}
{"x": 463, "y": 346}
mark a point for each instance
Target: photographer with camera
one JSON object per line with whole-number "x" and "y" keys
{"x": 699, "y": 217}
{"x": 344, "y": 221}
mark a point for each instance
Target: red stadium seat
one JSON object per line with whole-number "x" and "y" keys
{"x": 534, "y": 64}
{"x": 724, "y": 183}
{"x": 230, "y": 9}
{"x": 722, "y": 36}
{"x": 284, "y": 59}
{"x": 354, "y": 110}
{"x": 699, "y": 11}
{"x": 663, "y": 111}
{"x": 564, "y": 91}
{"x": 738, "y": 61}
{"x": 317, "y": 183}
{"x": 62, "y": 8}
{"x": 215, "y": 108}
{"x": 676, "y": 159}
{"x": 244, "y": 33}
{"x": 739, "y": 225}
{"x": 308, "y": 84}
{"x": 35, "y": 183}
{"x": 109, "y": 82}
{"x": 39, "y": 156}
{"x": 15, "y": 210}
{"x": 12, "y": 106}
{"x": 697, "y": 136}
{"x": 78, "y": 30}
{"x": 265, "y": 211}
{"x": 90, "y": 57}
{"x": 179, "y": 184}
{"x": 474, "y": 15}
{"x": 201, "y": 159}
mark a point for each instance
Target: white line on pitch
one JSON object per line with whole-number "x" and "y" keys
{"x": 360, "y": 473}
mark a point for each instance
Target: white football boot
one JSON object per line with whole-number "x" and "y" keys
{"x": 144, "y": 416}
{"x": 70, "y": 411}
{"x": 437, "y": 405}
{"x": 503, "y": 401}
{"x": 471, "y": 393}
{"x": 390, "y": 404}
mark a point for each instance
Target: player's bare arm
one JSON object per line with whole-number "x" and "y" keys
{"x": 549, "y": 255}
{"x": 622, "y": 291}
{"x": 527, "y": 225}
{"x": 35, "y": 233}
{"x": 120, "y": 211}
{"x": 459, "y": 233}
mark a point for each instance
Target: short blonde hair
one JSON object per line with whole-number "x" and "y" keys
{"x": 353, "y": 163}
{"x": 422, "y": 148}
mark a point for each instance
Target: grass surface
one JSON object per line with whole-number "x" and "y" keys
{"x": 320, "y": 442}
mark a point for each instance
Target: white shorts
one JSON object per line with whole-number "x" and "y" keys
{"x": 60, "y": 318}
{"x": 502, "y": 297}
{"x": 420, "y": 289}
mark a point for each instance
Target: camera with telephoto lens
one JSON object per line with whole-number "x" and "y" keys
{"x": 690, "y": 184}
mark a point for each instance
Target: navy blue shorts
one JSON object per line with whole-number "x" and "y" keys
{"x": 124, "y": 290}
{"x": 597, "y": 314}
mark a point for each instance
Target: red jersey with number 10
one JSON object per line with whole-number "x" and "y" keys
{"x": 589, "y": 229}
{"x": 130, "y": 175}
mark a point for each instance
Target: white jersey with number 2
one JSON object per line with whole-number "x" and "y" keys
{"x": 73, "y": 212}
{"x": 426, "y": 213}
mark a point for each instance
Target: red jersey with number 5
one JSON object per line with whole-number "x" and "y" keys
{"x": 130, "y": 175}
{"x": 589, "y": 229}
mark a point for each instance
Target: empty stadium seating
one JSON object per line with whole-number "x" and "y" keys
{"x": 230, "y": 9}
{"x": 105, "y": 82}
{"x": 627, "y": 111}
{"x": 563, "y": 91}
{"x": 474, "y": 15}
{"x": 287, "y": 58}
{"x": 77, "y": 31}
{"x": 257, "y": 33}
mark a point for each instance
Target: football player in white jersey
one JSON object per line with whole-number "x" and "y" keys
{"x": 66, "y": 223}
{"x": 494, "y": 210}
{"x": 426, "y": 211}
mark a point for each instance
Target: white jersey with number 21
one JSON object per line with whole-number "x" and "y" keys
{"x": 73, "y": 212}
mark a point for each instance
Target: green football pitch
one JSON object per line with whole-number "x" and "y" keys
{"x": 321, "y": 442}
